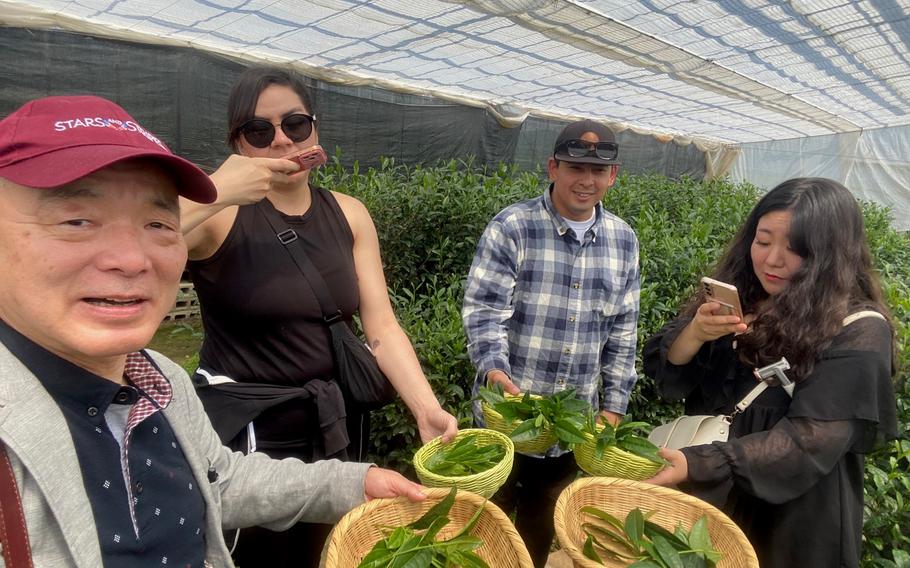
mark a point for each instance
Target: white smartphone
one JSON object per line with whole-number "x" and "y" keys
{"x": 724, "y": 294}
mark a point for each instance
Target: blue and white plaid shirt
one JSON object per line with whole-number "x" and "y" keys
{"x": 551, "y": 312}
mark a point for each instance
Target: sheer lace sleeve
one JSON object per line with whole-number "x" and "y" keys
{"x": 674, "y": 382}
{"x": 705, "y": 382}
{"x": 780, "y": 464}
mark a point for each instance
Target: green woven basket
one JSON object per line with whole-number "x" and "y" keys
{"x": 484, "y": 483}
{"x": 616, "y": 462}
{"x": 537, "y": 445}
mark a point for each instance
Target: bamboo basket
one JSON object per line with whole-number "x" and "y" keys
{"x": 616, "y": 462}
{"x": 484, "y": 483}
{"x": 358, "y": 531}
{"x": 495, "y": 421}
{"x": 619, "y": 496}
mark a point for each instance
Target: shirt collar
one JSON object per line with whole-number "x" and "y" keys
{"x": 70, "y": 384}
{"x": 559, "y": 222}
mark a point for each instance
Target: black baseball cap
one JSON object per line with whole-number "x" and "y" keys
{"x": 574, "y": 131}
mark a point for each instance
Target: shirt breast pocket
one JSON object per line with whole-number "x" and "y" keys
{"x": 607, "y": 296}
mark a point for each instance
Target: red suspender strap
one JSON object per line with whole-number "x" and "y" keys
{"x": 13, "y": 534}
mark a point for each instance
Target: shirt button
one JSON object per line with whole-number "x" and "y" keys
{"x": 561, "y": 381}
{"x": 122, "y": 396}
{"x": 92, "y": 411}
{"x": 577, "y": 285}
{"x": 567, "y": 351}
{"x": 572, "y": 318}
{"x": 138, "y": 487}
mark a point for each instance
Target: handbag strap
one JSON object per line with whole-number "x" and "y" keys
{"x": 286, "y": 236}
{"x": 13, "y": 532}
{"x": 860, "y": 315}
{"x": 761, "y": 386}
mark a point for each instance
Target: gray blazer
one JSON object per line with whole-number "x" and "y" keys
{"x": 250, "y": 490}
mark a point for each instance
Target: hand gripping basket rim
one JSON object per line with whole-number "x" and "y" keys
{"x": 616, "y": 462}
{"x": 619, "y": 496}
{"x": 359, "y": 530}
{"x": 537, "y": 445}
{"x": 484, "y": 483}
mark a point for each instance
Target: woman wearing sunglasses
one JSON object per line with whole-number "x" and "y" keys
{"x": 263, "y": 323}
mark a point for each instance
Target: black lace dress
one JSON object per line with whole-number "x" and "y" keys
{"x": 791, "y": 474}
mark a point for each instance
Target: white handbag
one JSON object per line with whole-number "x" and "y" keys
{"x": 704, "y": 429}
{"x": 691, "y": 431}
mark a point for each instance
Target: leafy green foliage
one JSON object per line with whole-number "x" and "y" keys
{"x": 561, "y": 412}
{"x": 415, "y": 545}
{"x": 622, "y": 436}
{"x": 465, "y": 457}
{"x": 645, "y": 544}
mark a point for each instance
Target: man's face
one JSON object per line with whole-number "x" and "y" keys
{"x": 577, "y": 188}
{"x": 91, "y": 268}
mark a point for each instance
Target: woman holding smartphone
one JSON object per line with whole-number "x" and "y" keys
{"x": 791, "y": 474}
{"x": 263, "y": 324}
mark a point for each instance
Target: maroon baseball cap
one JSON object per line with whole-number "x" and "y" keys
{"x": 56, "y": 140}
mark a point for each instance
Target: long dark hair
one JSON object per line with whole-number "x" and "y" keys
{"x": 835, "y": 279}
{"x": 247, "y": 88}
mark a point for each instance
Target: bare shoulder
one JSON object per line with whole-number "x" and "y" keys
{"x": 354, "y": 210}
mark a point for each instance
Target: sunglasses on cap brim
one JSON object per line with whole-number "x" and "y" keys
{"x": 259, "y": 133}
{"x": 584, "y": 149}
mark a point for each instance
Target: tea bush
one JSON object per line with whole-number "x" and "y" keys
{"x": 430, "y": 218}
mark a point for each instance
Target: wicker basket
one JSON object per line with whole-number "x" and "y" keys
{"x": 616, "y": 462}
{"x": 495, "y": 421}
{"x": 356, "y": 534}
{"x": 484, "y": 483}
{"x": 619, "y": 496}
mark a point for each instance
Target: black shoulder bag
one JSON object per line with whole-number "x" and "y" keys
{"x": 363, "y": 384}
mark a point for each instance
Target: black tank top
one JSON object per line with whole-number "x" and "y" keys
{"x": 262, "y": 322}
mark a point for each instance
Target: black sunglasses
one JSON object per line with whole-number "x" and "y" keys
{"x": 582, "y": 148}
{"x": 259, "y": 132}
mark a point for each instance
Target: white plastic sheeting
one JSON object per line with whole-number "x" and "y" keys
{"x": 874, "y": 164}
{"x": 716, "y": 73}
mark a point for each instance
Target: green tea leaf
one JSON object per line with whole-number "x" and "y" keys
{"x": 652, "y": 529}
{"x": 699, "y": 539}
{"x": 525, "y": 431}
{"x": 588, "y": 550}
{"x": 434, "y": 529}
{"x": 635, "y": 526}
{"x": 668, "y": 554}
{"x": 642, "y": 448}
{"x": 466, "y": 559}
{"x": 603, "y": 533}
{"x": 398, "y": 537}
{"x": 629, "y": 427}
{"x": 647, "y": 563}
{"x": 604, "y": 516}
{"x": 694, "y": 561}
{"x": 413, "y": 559}
{"x": 438, "y": 510}
{"x": 568, "y": 432}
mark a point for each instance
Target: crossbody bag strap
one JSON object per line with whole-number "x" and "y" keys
{"x": 13, "y": 532}
{"x": 760, "y": 387}
{"x": 860, "y": 315}
{"x": 749, "y": 398}
{"x": 287, "y": 236}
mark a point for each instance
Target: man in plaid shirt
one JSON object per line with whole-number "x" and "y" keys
{"x": 551, "y": 303}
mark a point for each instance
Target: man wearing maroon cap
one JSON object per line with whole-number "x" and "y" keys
{"x": 551, "y": 303}
{"x": 111, "y": 452}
